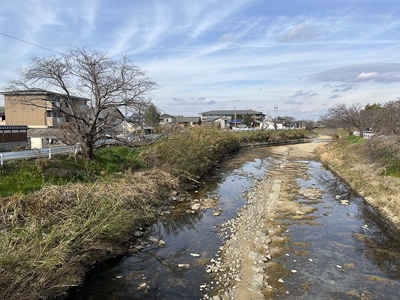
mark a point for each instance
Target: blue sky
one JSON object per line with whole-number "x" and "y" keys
{"x": 302, "y": 56}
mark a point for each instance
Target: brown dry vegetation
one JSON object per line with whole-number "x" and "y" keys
{"x": 51, "y": 237}
{"x": 370, "y": 168}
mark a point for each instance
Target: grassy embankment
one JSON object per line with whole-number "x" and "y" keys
{"x": 59, "y": 217}
{"x": 371, "y": 167}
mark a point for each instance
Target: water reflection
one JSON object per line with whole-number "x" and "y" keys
{"x": 352, "y": 253}
{"x": 178, "y": 220}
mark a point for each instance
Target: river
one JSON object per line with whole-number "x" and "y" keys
{"x": 338, "y": 252}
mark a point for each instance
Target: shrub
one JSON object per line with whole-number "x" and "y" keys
{"x": 192, "y": 152}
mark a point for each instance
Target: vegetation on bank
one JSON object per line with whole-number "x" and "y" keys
{"x": 81, "y": 212}
{"x": 23, "y": 176}
{"x": 371, "y": 167}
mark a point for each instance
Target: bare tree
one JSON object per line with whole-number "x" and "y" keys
{"x": 348, "y": 117}
{"x": 388, "y": 118}
{"x": 105, "y": 83}
{"x": 308, "y": 124}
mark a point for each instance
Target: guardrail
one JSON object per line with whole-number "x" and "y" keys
{"x": 35, "y": 153}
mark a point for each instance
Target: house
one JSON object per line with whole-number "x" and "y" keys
{"x": 232, "y": 116}
{"x": 188, "y": 121}
{"x": 167, "y": 119}
{"x": 38, "y": 108}
{"x": 221, "y": 122}
{"x": 112, "y": 122}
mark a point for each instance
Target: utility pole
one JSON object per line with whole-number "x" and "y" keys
{"x": 235, "y": 118}
{"x": 275, "y": 112}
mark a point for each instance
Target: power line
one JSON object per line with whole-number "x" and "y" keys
{"x": 29, "y": 43}
{"x": 13, "y": 54}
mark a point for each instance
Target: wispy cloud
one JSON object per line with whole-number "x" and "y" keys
{"x": 302, "y": 32}
{"x": 304, "y": 94}
{"x": 334, "y": 96}
{"x": 343, "y": 87}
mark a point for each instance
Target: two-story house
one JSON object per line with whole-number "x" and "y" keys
{"x": 40, "y": 108}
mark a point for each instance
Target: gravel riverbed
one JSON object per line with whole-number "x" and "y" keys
{"x": 244, "y": 264}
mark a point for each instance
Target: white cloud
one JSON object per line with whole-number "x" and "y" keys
{"x": 369, "y": 75}
{"x": 377, "y": 72}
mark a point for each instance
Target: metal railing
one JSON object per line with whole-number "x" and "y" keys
{"x": 35, "y": 153}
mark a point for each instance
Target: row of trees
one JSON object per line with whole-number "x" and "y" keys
{"x": 383, "y": 119}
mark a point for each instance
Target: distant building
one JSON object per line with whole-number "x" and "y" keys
{"x": 166, "y": 119}
{"x": 188, "y": 121}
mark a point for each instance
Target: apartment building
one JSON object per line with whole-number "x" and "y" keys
{"x": 39, "y": 108}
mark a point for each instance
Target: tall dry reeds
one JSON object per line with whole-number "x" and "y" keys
{"x": 50, "y": 238}
{"x": 192, "y": 152}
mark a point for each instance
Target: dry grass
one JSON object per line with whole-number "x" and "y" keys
{"x": 363, "y": 169}
{"x": 193, "y": 152}
{"x": 50, "y": 238}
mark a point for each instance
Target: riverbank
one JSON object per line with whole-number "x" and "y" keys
{"x": 366, "y": 176}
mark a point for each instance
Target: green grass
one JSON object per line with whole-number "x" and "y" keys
{"x": 20, "y": 176}
{"x": 355, "y": 139}
{"x": 28, "y": 175}
{"x": 393, "y": 171}
{"x": 117, "y": 158}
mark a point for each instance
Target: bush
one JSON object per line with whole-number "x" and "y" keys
{"x": 193, "y": 152}
{"x": 386, "y": 150}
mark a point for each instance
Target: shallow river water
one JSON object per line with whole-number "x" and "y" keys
{"x": 340, "y": 252}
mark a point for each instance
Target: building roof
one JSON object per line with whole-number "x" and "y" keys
{"x": 44, "y": 132}
{"x": 188, "y": 119}
{"x": 232, "y": 112}
{"x": 38, "y": 92}
{"x": 166, "y": 116}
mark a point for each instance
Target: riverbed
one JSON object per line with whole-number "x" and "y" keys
{"x": 318, "y": 240}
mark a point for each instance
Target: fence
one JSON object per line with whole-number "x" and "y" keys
{"x": 45, "y": 152}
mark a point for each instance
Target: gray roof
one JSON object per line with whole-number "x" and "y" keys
{"x": 188, "y": 119}
{"x": 44, "y": 132}
{"x": 30, "y": 92}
